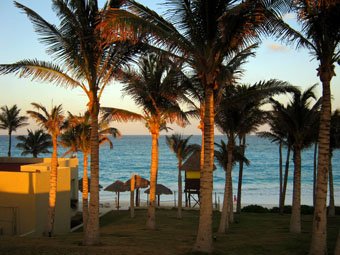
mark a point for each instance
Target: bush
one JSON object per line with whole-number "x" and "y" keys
{"x": 255, "y": 209}
{"x": 307, "y": 209}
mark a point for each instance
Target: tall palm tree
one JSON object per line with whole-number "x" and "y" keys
{"x": 76, "y": 138}
{"x": 156, "y": 87}
{"x": 230, "y": 72}
{"x": 203, "y": 33}
{"x": 334, "y": 144}
{"x": 252, "y": 115}
{"x": 320, "y": 34}
{"x": 179, "y": 145}
{"x": 222, "y": 156}
{"x": 34, "y": 143}
{"x": 53, "y": 123}
{"x": 82, "y": 59}
{"x": 277, "y": 135}
{"x": 10, "y": 120}
{"x": 300, "y": 120}
{"x": 239, "y": 113}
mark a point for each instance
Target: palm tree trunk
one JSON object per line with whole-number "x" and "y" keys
{"x": 9, "y": 143}
{"x": 281, "y": 178}
{"x": 337, "y": 247}
{"x": 204, "y": 236}
{"x": 331, "y": 209}
{"x": 202, "y": 147}
{"x": 231, "y": 204}
{"x": 225, "y": 215}
{"x": 92, "y": 233}
{"x": 85, "y": 193}
{"x": 319, "y": 230}
{"x": 53, "y": 190}
{"x": 295, "y": 220}
{"x": 179, "y": 212}
{"x": 151, "y": 221}
{"x": 315, "y": 171}
{"x": 285, "y": 181}
{"x": 224, "y": 223}
{"x": 132, "y": 193}
{"x": 240, "y": 176}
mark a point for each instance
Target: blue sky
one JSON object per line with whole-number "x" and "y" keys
{"x": 19, "y": 41}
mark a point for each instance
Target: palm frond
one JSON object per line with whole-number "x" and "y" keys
{"x": 40, "y": 70}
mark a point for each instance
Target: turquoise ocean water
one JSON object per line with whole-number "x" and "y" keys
{"x": 132, "y": 154}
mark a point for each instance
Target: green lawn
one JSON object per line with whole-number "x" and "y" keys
{"x": 252, "y": 233}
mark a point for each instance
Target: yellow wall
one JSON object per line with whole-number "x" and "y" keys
{"x": 27, "y": 192}
{"x": 192, "y": 174}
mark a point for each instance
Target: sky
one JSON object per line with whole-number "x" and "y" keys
{"x": 18, "y": 41}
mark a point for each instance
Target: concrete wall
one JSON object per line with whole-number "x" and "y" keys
{"x": 25, "y": 194}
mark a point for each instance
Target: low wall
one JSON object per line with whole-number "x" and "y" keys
{"x": 24, "y": 196}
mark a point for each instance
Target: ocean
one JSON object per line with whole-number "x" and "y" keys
{"x": 132, "y": 155}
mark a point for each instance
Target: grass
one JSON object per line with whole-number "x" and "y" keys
{"x": 252, "y": 233}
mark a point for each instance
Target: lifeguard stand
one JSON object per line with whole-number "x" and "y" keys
{"x": 192, "y": 179}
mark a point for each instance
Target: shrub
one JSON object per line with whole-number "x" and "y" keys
{"x": 255, "y": 209}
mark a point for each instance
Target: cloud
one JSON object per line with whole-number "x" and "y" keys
{"x": 277, "y": 47}
{"x": 289, "y": 16}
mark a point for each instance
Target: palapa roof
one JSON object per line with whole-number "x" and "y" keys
{"x": 140, "y": 182}
{"x": 117, "y": 186}
{"x": 160, "y": 190}
{"x": 193, "y": 163}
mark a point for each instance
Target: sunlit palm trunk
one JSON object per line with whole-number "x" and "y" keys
{"x": 85, "y": 193}
{"x": 202, "y": 142}
{"x": 285, "y": 181}
{"x": 53, "y": 190}
{"x": 92, "y": 232}
{"x": 204, "y": 236}
{"x": 240, "y": 177}
{"x": 151, "y": 221}
{"x": 319, "y": 230}
{"x": 132, "y": 192}
{"x": 295, "y": 220}
{"x": 224, "y": 221}
{"x": 331, "y": 209}
{"x": 9, "y": 143}
{"x": 179, "y": 212}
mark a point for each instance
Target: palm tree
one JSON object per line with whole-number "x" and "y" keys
{"x": 156, "y": 87}
{"x": 320, "y": 35}
{"x": 239, "y": 114}
{"x": 10, "y": 120}
{"x": 53, "y": 123}
{"x": 82, "y": 59}
{"x": 34, "y": 143}
{"x": 223, "y": 158}
{"x": 334, "y": 144}
{"x": 77, "y": 137}
{"x": 300, "y": 121}
{"x": 203, "y": 33}
{"x": 277, "y": 135}
{"x": 179, "y": 145}
{"x": 230, "y": 72}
